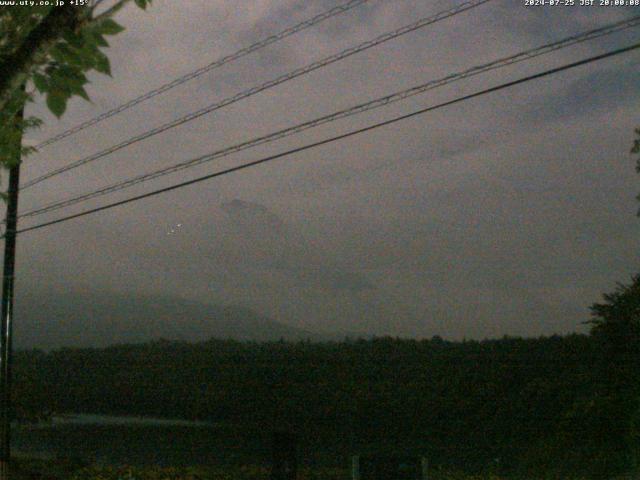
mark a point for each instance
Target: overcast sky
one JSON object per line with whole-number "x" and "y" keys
{"x": 508, "y": 214}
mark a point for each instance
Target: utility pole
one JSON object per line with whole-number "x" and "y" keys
{"x": 7, "y": 313}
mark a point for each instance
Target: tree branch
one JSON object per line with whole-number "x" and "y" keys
{"x": 111, "y": 11}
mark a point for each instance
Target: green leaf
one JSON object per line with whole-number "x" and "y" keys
{"x": 102, "y": 64}
{"x": 89, "y": 54}
{"x": 51, "y": 68}
{"x": 79, "y": 90}
{"x": 72, "y": 73}
{"x": 65, "y": 53}
{"x": 142, "y": 4}
{"x": 74, "y": 39}
{"x": 67, "y": 80}
{"x": 93, "y": 37}
{"x": 57, "y": 102}
{"x": 40, "y": 82}
{"x": 100, "y": 40}
{"x": 109, "y": 26}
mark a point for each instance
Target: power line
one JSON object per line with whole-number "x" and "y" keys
{"x": 335, "y": 138}
{"x": 207, "y": 68}
{"x": 370, "y": 105}
{"x": 270, "y": 84}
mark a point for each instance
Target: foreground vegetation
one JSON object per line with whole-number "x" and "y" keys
{"x": 510, "y": 406}
{"x": 30, "y": 469}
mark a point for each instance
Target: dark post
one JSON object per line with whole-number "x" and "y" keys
{"x": 7, "y": 318}
{"x": 284, "y": 461}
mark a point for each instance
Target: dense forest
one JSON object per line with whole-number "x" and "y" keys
{"x": 519, "y": 406}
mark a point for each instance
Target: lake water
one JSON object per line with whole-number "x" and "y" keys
{"x": 92, "y": 419}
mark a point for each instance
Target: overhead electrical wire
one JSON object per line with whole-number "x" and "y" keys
{"x": 336, "y": 138}
{"x": 310, "y": 22}
{"x": 357, "y": 109}
{"x": 423, "y": 22}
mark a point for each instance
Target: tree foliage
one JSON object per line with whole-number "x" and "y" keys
{"x": 616, "y": 328}
{"x": 618, "y": 317}
{"x": 50, "y": 50}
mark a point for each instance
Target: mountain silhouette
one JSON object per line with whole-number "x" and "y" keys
{"x": 50, "y": 320}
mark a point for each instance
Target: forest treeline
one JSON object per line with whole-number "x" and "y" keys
{"x": 552, "y": 405}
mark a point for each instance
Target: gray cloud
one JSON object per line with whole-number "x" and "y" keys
{"x": 267, "y": 240}
{"x": 508, "y": 214}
